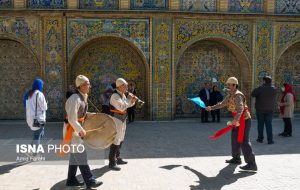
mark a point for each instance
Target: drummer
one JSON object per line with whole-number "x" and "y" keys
{"x": 118, "y": 106}
{"x": 76, "y": 108}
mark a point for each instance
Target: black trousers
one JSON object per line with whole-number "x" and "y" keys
{"x": 245, "y": 147}
{"x": 114, "y": 153}
{"x": 215, "y": 113}
{"x": 131, "y": 114}
{"x": 287, "y": 126}
{"x": 80, "y": 160}
{"x": 204, "y": 115}
{"x": 105, "y": 109}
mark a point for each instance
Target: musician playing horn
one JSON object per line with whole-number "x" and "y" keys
{"x": 118, "y": 106}
{"x": 76, "y": 108}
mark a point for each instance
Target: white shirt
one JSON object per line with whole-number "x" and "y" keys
{"x": 41, "y": 109}
{"x": 119, "y": 103}
{"x": 72, "y": 107}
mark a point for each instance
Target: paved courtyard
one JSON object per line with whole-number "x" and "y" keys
{"x": 168, "y": 155}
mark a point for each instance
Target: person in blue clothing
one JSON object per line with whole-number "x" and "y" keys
{"x": 36, "y": 105}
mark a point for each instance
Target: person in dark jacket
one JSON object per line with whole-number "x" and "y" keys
{"x": 131, "y": 110}
{"x": 265, "y": 104}
{"x": 104, "y": 99}
{"x": 215, "y": 97}
{"x": 204, "y": 95}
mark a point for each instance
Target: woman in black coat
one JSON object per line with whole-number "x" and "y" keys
{"x": 215, "y": 97}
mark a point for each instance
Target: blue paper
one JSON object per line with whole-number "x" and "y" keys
{"x": 198, "y": 101}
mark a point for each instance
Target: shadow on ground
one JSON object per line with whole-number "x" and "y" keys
{"x": 8, "y": 167}
{"x": 226, "y": 176}
{"x": 61, "y": 185}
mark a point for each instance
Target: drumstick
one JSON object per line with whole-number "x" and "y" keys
{"x": 97, "y": 128}
{"x": 92, "y": 130}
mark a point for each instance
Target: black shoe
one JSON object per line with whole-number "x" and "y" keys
{"x": 120, "y": 161}
{"x": 74, "y": 183}
{"x": 237, "y": 161}
{"x": 286, "y": 135}
{"x": 249, "y": 167}
{"x": 114, "y": 167}
{"x": 281, "y": 134}
{"x": 94, "y": 184}
{"x": 271, "y": 142}
{"x": 259, "y": 140}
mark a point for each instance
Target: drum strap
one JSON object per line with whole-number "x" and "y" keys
{"x": 69, "y": 133}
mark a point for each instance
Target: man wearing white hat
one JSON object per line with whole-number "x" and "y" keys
{"x": 236, "y": 103}
{"x": 118, "y": 106}
{"x": 76, "y": 108}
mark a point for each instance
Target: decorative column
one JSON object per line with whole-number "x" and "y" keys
{"x": 53, "y": 58}
{"x": 263, "y": 50}
{"x": 161, "y": 77}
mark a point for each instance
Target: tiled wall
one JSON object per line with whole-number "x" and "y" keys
{"x": 167, "y": 55}
{"x": 291, "y": 7}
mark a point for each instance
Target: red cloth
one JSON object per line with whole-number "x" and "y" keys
{"x": 222, "y": 132}
{"x": 287, "y": 89}
{"x": 229, "y": 127}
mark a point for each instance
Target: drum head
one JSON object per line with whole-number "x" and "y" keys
{"x": 100, "y": 131}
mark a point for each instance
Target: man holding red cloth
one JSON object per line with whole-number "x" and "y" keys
{"x": 241, "y": 124}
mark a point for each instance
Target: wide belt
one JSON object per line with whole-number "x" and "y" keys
{"x": 119, "y": 112}
{"x": 69, "y": 134}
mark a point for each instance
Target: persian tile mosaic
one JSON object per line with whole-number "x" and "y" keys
{"x": 99, "y": 4}
{"x": 149, "y": 4}
{"x": 4, "y": 4}
{"x": 199, "y": 5}
{"x": 46, "y": 4}
{"x": 287, "y": 6}
{"x": 246, "y": 6}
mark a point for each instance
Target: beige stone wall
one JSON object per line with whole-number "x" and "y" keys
{"x": 223, "y": 5}
{"x": 72, "y": 4}
{"x": 19, "y": 4}
{"x": 175, "y": 5}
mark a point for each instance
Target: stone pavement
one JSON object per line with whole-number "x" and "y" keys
{"x": 168, "y": 155}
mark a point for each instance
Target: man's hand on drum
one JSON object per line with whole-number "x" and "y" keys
{"x": 82, "y": 133}
{"x": 89, "y": 114}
